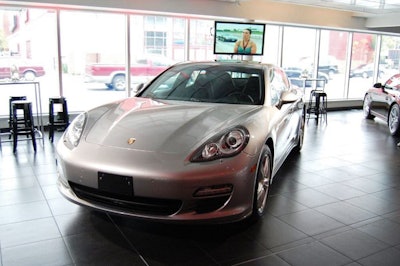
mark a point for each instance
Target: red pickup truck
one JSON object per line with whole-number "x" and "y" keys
{"x": 114, "y": 75}
{"x": 18, "y": 68}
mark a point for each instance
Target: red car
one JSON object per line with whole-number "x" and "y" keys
{"x": 113, "y": 76}
{"x": 383, "y": 101}
{"x": 17, "y": 68}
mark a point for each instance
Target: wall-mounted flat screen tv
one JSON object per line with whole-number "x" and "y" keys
{"x": 243, "y": 38}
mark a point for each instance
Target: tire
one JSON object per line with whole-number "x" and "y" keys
{"x": 394, "y": 120}
{"x": 300, "y": 134}
{"x": 262, "y": 182}
{"x": 118, "y": 82}
{"x": 29, "y": 75}
{"x": 367, "y": 108}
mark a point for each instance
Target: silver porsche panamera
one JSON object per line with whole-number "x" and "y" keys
{"x": 200, "y": 143}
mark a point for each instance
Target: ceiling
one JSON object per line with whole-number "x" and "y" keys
{"x": 365, "y": 7}
{"x": 380, "y": 15}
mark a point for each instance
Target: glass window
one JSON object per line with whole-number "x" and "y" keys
{"x": 389, "y": 62}
{"x": 178, "y": 39}
{"x": 93, "y": 58}
{"x": 362, "y": 71}
{"x": 201, "y": 40}
{"x": 155, "y": 42}
{"x": 298, "y": 53}
{"x": 332, "y": 62}
{"x": 271, "y": 45}
{"x": 28, "y": 52}
{"x": 152, "y": 46}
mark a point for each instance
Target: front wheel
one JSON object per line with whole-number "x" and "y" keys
{"x": 263, "y": 181}
{"x": 118, "y": 82}
{"x": 367, "y": 108}
{"x": 29, "y": 75}
{"x": 300, "y": 131}
{"x": 394, "y": 120}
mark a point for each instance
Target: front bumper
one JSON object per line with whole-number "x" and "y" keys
{"x": 213, "y": 192}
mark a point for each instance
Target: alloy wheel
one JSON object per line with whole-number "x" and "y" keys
{"x": 393, "y": 121}
{"x": 263, "y": 181}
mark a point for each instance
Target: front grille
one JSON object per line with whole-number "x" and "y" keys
{"x": 139, "y": 205}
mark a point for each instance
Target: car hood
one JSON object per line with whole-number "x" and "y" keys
{"x": 168, "y": 127}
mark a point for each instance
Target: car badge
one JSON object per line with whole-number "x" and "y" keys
{"x": 131, "y": 141}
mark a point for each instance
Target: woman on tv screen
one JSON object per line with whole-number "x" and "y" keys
{"x": 245, "y": 45}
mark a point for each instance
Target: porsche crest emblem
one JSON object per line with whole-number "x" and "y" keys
{"x": 131, "y": 141}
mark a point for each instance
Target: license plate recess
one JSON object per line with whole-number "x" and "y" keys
{"x": 115, "y": 184}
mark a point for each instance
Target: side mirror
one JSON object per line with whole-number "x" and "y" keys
{"x": 288, "y": 97}
{"x": 378, "y": 85}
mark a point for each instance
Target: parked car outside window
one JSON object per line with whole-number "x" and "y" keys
{"x": 17, "y": 68}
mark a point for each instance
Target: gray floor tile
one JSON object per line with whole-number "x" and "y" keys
{"x": 355, "y": 244}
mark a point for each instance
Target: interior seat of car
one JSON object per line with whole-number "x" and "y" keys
{"x": 222, "y": 85}
{"x": 253, "y": 89}
{"x": 202, "y": 87}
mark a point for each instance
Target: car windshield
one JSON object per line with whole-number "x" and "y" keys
{"x": 209, "y": 83}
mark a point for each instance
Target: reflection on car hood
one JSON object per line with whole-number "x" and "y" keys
{"x": 167, "y": 127}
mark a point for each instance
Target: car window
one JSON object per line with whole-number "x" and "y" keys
{"x": 393, "y": 83}
{"x": 278, "y": 84}
{"x": 209, "y": 83}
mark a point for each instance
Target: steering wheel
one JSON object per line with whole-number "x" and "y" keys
{"x": 241, "y": 96}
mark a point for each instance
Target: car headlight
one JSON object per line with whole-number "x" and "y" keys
{"x": 74, "y": 131}
{"x": 224, "y": 145}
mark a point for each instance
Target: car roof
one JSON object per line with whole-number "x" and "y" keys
{"x": 242, "y": 63}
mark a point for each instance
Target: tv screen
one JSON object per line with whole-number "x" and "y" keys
{"x": 239, "y": 38}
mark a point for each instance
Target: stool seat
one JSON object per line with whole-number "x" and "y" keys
{"x": 57, "y": 120}
{"x": 22, "y": 124}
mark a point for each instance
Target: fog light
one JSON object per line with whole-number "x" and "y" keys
{"x": 214, "y": 190}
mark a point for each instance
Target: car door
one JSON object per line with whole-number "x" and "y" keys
{"x": 285, "y": 121}
{"x": 392, "y": 90}
{"x": 378, "y": 102}
{"x": 383, "y": 97}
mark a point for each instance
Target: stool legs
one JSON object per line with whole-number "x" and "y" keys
{"x": 59, "y": 121}
{"x": 318, "y": 105}
{"x": 26, "y": 128}
{"x": 323, "y": 108}
{"x": 11, "y": 100}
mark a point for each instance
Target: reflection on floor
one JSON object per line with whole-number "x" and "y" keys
{"x": 337, "y": 203}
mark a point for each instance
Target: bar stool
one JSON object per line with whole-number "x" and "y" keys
{"x": 323, "y": 105}
{"x": 10, "y": 119}
{"x": 318, "y": 105}
{"x": 22, "y": 124}
{"x": 59, "y": 120}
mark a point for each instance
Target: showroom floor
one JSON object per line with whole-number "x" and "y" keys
{"x": 335, "y": 203}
